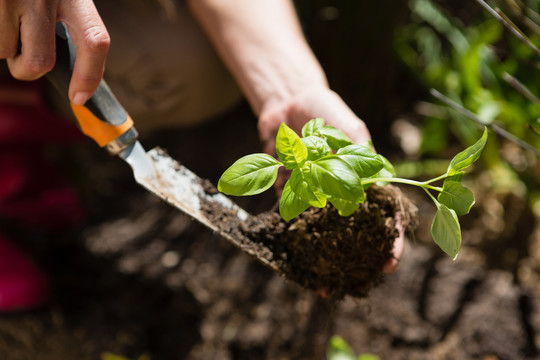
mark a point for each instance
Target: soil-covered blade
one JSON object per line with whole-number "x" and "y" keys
{"x": 184, "y": 190}
{"x": 199, "y": 198}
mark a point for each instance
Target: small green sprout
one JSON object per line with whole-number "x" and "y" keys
{"x": 339, "y": 349}
{"x": 327, "y": 167}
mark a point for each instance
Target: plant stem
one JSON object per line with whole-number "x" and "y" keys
{"x": 436, "y": 179}
{"x": 424, "y": 185}
{"x": 431, "y": 196}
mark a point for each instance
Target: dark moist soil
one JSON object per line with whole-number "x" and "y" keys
{"x": 321, "y": 250}
{"x": 140, "y": 278}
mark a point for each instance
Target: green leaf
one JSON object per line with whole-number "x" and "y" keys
{"x": 446, "y": 231}
{"x": 336, "y": 178}
{"x": 457, "y": 177}
{"x": 317, "y": 147}
{"x": 473, "y": 63}
{"x": 468, "y": 156}
{"x": 312, "y": 127}
{"x": 302, "y": 185}
{"x": 249, "y": 175}
{"x": 335, "y": 137}
{"x": 457, "y": 197}
{"x": 290, "y": 205}
{"x": 344, "y": 207}
{"x": 338, "y": 349}
{"x": 290, "y": 148}
{"x": 387, "y": 171}
{"x": 434, "y": 136}
{"x": 534, "y": 125}
{"x": 362, "y": 159}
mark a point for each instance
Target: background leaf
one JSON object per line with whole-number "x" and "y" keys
{"x": 249, "y": 175}
{"x": 446, "y": 231}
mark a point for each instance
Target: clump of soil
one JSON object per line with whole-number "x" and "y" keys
{"x": 323, "y": 251}
{"x": 332, "y": 254}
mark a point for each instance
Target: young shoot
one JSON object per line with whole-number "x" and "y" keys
{"x": 327, "y": 167}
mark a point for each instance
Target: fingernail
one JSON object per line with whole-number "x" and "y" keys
{"x": 80, "y": 98}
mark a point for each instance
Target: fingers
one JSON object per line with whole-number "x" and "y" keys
{"x": 399, "y": 245}
{"x": 9, "y": 31}
{"x": 92, "y": 40}
{"x": 34, "y": 26}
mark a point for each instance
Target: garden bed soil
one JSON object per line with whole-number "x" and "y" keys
{"x": 142, "y": 279}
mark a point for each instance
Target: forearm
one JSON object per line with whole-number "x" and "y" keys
{"x": 262, "y": 44}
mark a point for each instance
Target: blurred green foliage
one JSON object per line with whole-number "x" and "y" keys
{"x": 474, "y": 65}
{"x": 479, "y": 64}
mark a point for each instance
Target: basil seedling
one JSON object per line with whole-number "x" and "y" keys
{"x": 327, "y": 167}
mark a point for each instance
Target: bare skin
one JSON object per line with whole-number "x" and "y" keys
{"x": 262, "y": 45}
{"x": 27, "y": 41}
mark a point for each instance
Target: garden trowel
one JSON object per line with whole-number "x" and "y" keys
{"x": 103, "y": 119}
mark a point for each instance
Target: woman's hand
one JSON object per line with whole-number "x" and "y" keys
{"x": 295, "y": 112}
{"x": 27, "y": 41}
{"x": 326, "y": 104}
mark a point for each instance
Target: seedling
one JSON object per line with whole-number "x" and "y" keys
{"x": 339, "y": 349}
{"x": 327, "y": 167}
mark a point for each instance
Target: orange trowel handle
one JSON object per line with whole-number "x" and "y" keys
{"x": 102, "y": 117}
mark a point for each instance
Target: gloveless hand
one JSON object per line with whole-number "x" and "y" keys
{"x": 27, "y": 41}
{"x": 326, "y": 104}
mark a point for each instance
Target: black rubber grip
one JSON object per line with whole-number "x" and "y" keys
{"x": 103, "y": 104}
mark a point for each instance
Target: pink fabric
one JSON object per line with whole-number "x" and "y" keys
{"x": 32, "y": 189}
{"x": 33, "y": 192}
{"x": 31, "y": 122}
{"x": 22, "y": 285}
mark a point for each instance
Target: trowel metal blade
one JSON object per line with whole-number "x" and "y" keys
{"x": 177, "y": 185}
